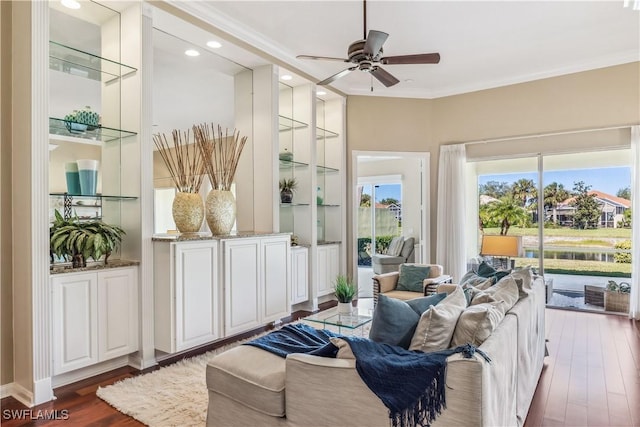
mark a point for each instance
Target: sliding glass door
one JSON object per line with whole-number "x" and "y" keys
{"x": 572, "y": 213}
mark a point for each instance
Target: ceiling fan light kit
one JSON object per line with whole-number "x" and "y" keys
{"x": 366, "y": 54}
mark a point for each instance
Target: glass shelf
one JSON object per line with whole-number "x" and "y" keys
{"x": 291, "y": 205}
{"x": 292, "y": 164}
{"x": 79, "y": 63}
{"x": 96, "y": 196}
{"x": 287, "y": 124}
{"x": 324, "y": 133}
{"x": 95, "y": 135}
{"x": 325, "y": 169}
{"x": 328, "y": 206}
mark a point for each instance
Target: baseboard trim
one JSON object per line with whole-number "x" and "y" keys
{"x": 22, "y": 395}
{"x": 6, "y": 390}
{"x": 89, "y": 371}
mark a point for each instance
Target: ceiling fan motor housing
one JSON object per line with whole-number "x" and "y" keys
{"x": 356, "y": 53}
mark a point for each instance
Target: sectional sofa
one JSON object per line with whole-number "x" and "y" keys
{"x": 248, "y": 386}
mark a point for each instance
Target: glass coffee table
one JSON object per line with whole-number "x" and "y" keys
{"x": 351, "y": 324}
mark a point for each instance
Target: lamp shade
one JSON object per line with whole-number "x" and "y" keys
{"x": 502, "y": 246}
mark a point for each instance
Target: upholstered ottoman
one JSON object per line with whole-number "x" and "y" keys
{"x": 249, "y": 377}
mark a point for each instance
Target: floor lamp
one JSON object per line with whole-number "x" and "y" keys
{"x": 502, "y": 248}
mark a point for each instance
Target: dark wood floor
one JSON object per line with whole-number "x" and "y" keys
{"x": 591, "y": 378}
{"x": 592, "y": 374}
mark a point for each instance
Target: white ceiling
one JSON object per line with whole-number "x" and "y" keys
{"x": 482, "y": 44}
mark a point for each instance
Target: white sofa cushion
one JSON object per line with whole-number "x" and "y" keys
{"x": 251, "y": 376}
{"x": 436, "y": 325}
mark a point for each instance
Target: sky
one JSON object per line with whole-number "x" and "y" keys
{"x": 385, "y": 191}
{"x": 607, "y": 180}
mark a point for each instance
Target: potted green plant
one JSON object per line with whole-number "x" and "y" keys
{"x": 78, "y": 240}
{"x": 616, "y": 296}
{"x": 344, "y": 290}
{"x": 287, "y": 187}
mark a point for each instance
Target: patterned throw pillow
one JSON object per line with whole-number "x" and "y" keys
{"x": 412, "y": 277}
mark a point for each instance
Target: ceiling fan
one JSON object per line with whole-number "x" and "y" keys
{"x": 367, "y": 56}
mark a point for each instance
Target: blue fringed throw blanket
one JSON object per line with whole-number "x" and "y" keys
{"x": 411, "y": 384}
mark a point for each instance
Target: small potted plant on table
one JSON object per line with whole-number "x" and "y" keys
{"x": 344, "y": 290}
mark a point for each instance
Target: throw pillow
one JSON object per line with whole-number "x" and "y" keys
{"x": 412, "y": 277}
{"x": 477, "y": 322}
{"x": 473, "y": 279}
{"x": 437, "y": 324}
{"x": 485, "y": 270}
{"x": 523, "y": 277}
{"x": 394, "y": 321}
{"x": 344, "y": 349}
{"x": 395, "y": 246}
{"x": 505, "y": 290}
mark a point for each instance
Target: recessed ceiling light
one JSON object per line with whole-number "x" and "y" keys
{"x": 214, "y": 44}
{"x": 71, "y": 4}
{"x": 321, "y": 92}
{"x": 408, "y": 80}
{"x": 191, "y": 52}
{"x": 286, "y": 77}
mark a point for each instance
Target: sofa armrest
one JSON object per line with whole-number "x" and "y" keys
{"x": 430, "y": 284}
{"x": 387, "y": 282}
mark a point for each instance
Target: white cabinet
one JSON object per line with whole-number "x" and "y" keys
{"x": 328, "y": 262}
{"x": 186, "y": 294}
{"x": 299, "y": 274}
{"x": 117, "y": 313}
{"x": 256, "y": 282}
{"x": 95, "y": 317}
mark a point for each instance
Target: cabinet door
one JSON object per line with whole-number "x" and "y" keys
{"x": 328, "y": 268}
{"x": 241, "y": 285}
{"x": 196, "y": 294}
{"x": 299, "y": 275}
{"x": 75, "y": 321}
{"x": 276, "y": 278}
{"x": 117, "y": 313}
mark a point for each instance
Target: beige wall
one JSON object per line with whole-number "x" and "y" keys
{"x": 6, "y": 311}
{"x": 591, "y": 99}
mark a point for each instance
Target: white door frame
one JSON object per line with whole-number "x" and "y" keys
{"x": 425, "y": 247}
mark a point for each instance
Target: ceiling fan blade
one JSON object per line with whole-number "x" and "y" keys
{"x": 384, "y": 77}
{"x": 337, "y": 76}
{"x": 325, "y": 58}
{"x": 375, "y": 40}
{"x": 423, "y": 58}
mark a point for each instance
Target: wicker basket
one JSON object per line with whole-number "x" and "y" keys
{"x": 616, "y": 301}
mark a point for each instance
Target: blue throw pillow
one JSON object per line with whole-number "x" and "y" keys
{"x": 485, "y": 270}
{"x": 411, "y": 277}
{"x": 394, "y": 321}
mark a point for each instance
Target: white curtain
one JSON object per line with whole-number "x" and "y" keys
{"x": 450, "y": 243}
{"x": 634, "y": 306}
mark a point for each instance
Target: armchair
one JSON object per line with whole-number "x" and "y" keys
{"x": 387, "y": 283}
{"x": 383, "y": 263}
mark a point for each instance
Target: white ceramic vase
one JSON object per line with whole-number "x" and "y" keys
{"x": 345, "y": 307}
{"x": 220, "y": 211}
{"x": 188, "y": 212}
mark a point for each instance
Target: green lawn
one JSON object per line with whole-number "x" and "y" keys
{"x": 587, "y": 268}
{"x": 620, "y": 233}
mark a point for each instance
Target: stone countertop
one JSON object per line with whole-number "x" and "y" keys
{"x": 116, "y": 263}
{"x": 187, "y": 237}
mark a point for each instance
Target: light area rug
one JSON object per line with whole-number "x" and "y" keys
{"x": 175, "y": 395}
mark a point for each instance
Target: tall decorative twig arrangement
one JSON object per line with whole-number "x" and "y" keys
{"x": 221, "y": 152}
{"x": 186, "y": 165}
{"x": 184, "y": 161}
